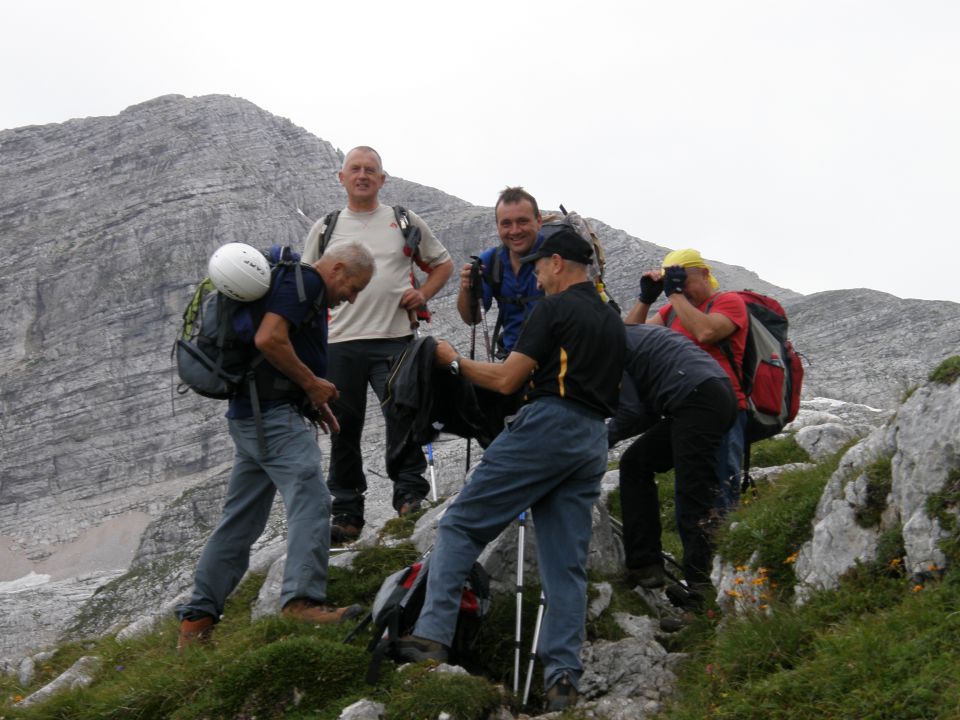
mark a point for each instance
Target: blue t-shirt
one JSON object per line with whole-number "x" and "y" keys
{"x": 309, "y": 342}
{"x": 513, "y": 288}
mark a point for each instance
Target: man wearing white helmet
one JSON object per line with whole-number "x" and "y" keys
{"x": 367, "y": 336}
{"x": 292, "y": 339}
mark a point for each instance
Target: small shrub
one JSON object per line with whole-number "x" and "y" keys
{"x": 879, "y": 480}
{"x": 943, "y": 507}
{"x": 947, "y": 372}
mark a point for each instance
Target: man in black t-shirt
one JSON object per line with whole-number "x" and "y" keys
{"x": 550, "y": 458}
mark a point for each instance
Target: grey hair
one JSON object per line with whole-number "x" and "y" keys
{"x": 362, "y": 148}
{"x": 355, "y": 257}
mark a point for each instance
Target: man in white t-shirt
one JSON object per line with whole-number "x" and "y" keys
{"x": 367, "y": 335}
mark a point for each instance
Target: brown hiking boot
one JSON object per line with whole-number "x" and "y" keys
{"x": 345, "y": 529}
{"x": 409, "y": 506}
{"x": 195, "y": 632}
{"x": 311, "y": 611}
{"x": 562, "y": 694}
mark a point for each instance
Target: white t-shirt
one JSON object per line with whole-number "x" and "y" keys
{"x": 377, "y": 312}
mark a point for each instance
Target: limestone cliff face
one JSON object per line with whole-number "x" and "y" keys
{"x": 870, "y": 347}
{"x": 106, "y": 224}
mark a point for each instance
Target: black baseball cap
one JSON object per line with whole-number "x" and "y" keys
{"x": 560, "y": 238}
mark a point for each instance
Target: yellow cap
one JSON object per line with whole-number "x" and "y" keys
{"x": 689, "y": 258}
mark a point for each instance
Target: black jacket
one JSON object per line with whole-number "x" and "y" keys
{"x": 422, "y": 401}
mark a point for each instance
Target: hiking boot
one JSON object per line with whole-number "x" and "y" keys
{"x": 411, "y": 648}
{"x": 647, "y": 576}
{"x": 691, "y": 597}
{"x": 195, "y": 632}
{"x": 345, "y": 528}
{"x": 409, "y": 506}
{"x": 562, "y": 694}
{"x": 676, "y": 623}
{"x": 311, "y": 611}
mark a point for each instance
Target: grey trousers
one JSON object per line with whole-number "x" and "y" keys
{"x": 292, "y": 466}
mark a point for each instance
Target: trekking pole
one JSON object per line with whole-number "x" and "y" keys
{"x": 477, "y": 293}
{"x": 521, "y": 530}
{"x": 533, "y": 647}
{"x": 415, "y": 326}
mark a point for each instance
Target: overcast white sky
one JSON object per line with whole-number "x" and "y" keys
{"x": 816, "y": 142}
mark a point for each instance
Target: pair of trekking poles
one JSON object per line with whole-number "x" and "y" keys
{"x": 481, "y": 316}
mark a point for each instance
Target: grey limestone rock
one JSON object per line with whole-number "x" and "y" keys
{"x": 78, "y": 675}
{"x": 363, "y": 710}
{"x": 922, "y": 443}
{"x": 822, "y": 441}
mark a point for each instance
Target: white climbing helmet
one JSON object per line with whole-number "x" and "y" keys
{"x": 240, "y": 271}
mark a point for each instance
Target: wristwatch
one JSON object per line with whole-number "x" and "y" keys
{"x": 455, "y": 365}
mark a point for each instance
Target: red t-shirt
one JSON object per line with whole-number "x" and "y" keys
{"x": 731, "y": 305}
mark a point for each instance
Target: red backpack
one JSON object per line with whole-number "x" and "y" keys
{"x": 771, "y": 376}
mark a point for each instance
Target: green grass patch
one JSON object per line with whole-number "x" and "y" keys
{"x": 947, "y": 372}
{"x": 421, "y": 694}
{"x": 766, "y": 666}
{"x": 775, "y": 523}
{"x": 774, "y": 452}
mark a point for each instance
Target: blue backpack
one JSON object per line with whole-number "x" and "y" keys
{"x": 215, "y": 352}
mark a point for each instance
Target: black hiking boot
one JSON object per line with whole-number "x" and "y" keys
{"x": 561, "y": 695}
{"x": 410, "y": 506}
{"x": 345, "y": 529}
{"x": 647, "y": 576}
{"x": 411, "y": 648}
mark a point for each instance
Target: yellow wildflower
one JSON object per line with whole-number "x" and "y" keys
{"x": 791, "y": 559}
{"x": 733, "y": 593}
{"x": 917, "y": 588}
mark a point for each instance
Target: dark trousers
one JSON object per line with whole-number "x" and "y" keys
{"x": 686, "y": 441}
{"x": 351, "y": 366}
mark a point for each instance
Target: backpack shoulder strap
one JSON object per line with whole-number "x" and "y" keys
{"x": 494, "y": 273}
{"x": 329, "y": 223}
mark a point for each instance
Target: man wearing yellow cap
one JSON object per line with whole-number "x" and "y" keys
{"x": 717, "y": 322}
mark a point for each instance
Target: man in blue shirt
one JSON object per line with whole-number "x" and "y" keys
{"x": 282, "y": 453}
{"x": 503, "y": 276}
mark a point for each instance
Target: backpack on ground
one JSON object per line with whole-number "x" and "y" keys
{"x": 397, "y": 607}
{"x": 215, "y": 352}
{"x": 411, "y": 246}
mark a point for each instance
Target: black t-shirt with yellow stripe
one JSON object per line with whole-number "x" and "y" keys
{"x": 578, "y": 342}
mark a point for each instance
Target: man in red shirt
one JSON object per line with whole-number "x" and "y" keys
{"x": 712, "y": 319}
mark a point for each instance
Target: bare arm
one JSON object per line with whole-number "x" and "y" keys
{"x": 414, "y": 298}
{"x": 506, "y": 377}
{"x": 273, "y": 340}
{"x": 640, "y": 313}
{"x": 706, "y": 329}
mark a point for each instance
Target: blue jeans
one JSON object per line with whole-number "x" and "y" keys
{"x": 730, "y": 463}
{"x": 292, "y": 466}
{"x": 550, "y": 459}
